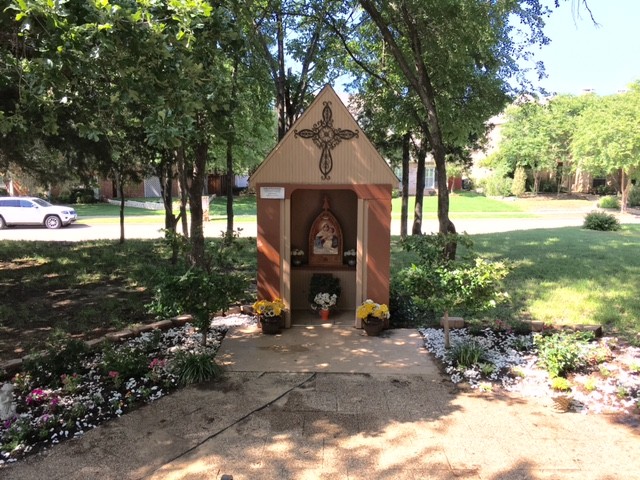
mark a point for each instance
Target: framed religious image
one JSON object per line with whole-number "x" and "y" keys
{"x": 325, "y": 239}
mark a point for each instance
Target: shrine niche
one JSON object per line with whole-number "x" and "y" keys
{"x": 326, "y": 242}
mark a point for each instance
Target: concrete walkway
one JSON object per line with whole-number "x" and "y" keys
{"x": 337, "y": 347}
{"x": 326, "y": 402}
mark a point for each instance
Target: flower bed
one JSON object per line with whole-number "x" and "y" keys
{"x": 608, "y": 382}
{"x": 53, "y": 407}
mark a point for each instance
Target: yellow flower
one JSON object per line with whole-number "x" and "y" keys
{"x": 267, "y": 308}
{"x": 369, "y": 308}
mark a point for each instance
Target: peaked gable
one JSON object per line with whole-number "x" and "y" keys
{"x": 325, "y": 146}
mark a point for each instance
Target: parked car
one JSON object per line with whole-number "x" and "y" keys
{"x": 34, "y": 211}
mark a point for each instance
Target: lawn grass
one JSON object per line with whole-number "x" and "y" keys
{"x": 462, "y": 205}
{"x": 93, "y": 210}
{"x": 86, "y": 288}
{"x": 243, "y": 206}
{"x": 571, "y": 275}
{"x": 566, "y": 275}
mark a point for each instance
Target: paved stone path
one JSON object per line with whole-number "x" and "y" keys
{"x": 264, "y": 423}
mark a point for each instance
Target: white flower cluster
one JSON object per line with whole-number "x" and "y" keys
{"x": 52, "y": 413}
{"x": 324, "y": 300}
{"x": 500, "y": 353}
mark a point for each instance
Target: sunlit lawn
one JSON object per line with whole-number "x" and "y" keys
{"x": 566, "y": 275}
{"x": 462, "y": 205}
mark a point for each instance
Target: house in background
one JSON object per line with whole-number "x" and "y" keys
{"x": 216, "y": 184}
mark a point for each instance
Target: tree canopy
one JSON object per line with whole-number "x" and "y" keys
{"x": 607, "y": 137}
{"x": 590, "y": 133}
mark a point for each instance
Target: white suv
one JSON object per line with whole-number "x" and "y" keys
{"x": 34, "y": 211}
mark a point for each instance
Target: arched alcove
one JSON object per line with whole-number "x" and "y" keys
{"x": 308, "y": 214}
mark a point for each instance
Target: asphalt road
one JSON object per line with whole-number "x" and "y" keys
{"x": 86, "y": 230}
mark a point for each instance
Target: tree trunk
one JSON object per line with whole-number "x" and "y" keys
{"x": 230, "y": 182}
{"x": 417, "y": 75}
{"x": 404, "y": 212}
{"x": 165, "y": 174}
{"x": 420, "y": 181}
{"x": 281, "y": 81}
{"x": 230, "y": 142}
{"x": 536, "y": 182}
{"x": 196, "y": 187}
{"x": 183, "y": 182}
{"x": 119, "y": 182}
{"x": 625, "y": 183}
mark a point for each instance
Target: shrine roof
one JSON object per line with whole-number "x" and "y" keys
{"x": 325, "y": 146}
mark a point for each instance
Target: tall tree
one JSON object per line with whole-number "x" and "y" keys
{"x": 453, "y": 52}
{"x": 298, "y": 48}
{"x": 537, "y": 135}
{"x": 607, "y": 138}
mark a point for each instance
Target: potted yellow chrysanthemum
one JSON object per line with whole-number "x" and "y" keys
{"x": 373, "y": 316}
{"x": 269, "y": 313}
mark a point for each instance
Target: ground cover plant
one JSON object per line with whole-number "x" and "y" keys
{"x": 577, "y": 371}
{"x": 68, "y": 389}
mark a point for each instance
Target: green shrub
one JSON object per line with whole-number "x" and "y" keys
{"x": 609, "y": 202}
{"x": 192, "y": 367}
{"x": 497, "y": 186}
{"x": 548, "y": 186}
{"x": 604, "y": 190}
{"x": 519, "y": 183}
{"x": 561, "y": 353}
{"x": 403, "y": 309}
{"x": 602, "y": 221}
{"x": 468, "y": 353}
{"x": 487, "y": 368}
{"x": 591, "y": 384}
{"x": 633, "y": 198}
{"x": 198, "y": 293}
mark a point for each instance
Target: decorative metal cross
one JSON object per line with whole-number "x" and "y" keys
{"x": 326, "y": 138}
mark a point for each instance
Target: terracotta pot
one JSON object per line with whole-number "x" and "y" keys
{"x": 324, "y": 314}
{"x": 373, "y": 326}
{"x": 271, "y": 325}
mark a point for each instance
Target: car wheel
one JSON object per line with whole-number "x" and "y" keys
{"x": 52, "y": 222}
{"x": 3, "y": 224}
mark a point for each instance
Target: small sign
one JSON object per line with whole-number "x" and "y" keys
{"x": 276, "y": 193}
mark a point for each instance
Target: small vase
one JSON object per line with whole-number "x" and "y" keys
{"x": 324, "y": 314}
{"x": 373, "y": 326}
{"x": 351, "y": 262}
{"x": 271, "y": 325}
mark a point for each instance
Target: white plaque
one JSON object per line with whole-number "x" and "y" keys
{"x": 276, "y": 193}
